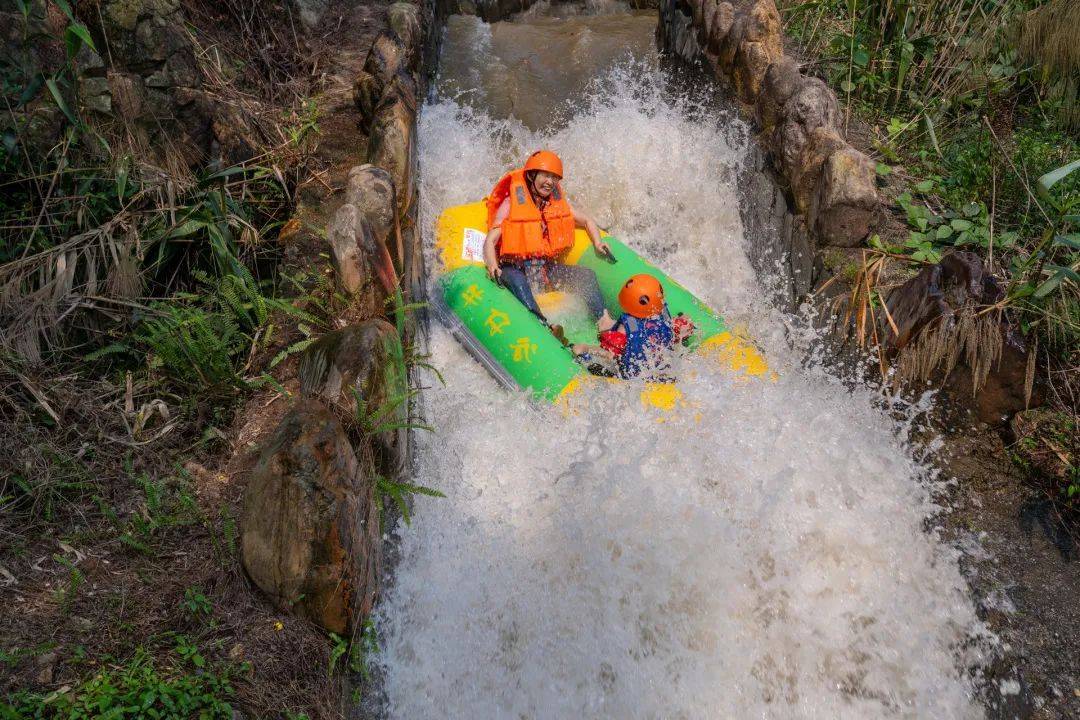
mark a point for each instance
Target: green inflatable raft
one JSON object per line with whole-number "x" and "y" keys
{"x": 519, "y": 351}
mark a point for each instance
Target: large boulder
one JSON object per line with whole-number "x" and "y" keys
{"x": 310, "y": 527}
{"x": 362, "y": 263}
{"x": 359, "y": 372}
{"x": 371, "y": 190}
{"x": 846, "y": 204}
{"x": 943, "y": 334}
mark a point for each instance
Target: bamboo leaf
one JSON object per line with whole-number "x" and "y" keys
{"x": 1061, "y": 273}
{"x": 60, "y": 102}
{"x": 932, "y": 133}
{"x": 1053, "y": 177}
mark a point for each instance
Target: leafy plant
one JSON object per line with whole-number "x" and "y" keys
{"x": 67, "y": 592}
{"x": 195, "y": 603}
{"x": 135, "y": 689}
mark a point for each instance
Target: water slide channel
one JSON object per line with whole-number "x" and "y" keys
{"x": 765, "y": 555}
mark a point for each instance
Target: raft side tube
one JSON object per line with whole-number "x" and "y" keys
{"x": 512, "y": 337}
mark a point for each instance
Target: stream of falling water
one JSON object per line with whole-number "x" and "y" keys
{"x": 763, "y": 556}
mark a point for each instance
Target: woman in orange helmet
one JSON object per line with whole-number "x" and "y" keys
{"x": 530, "y": 227}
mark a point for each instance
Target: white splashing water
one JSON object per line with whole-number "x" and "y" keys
{"x": 760, "y": 556}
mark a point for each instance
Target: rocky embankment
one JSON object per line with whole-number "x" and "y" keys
{"x": 812, "y": 201}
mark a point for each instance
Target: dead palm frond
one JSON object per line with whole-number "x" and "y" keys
{"x": 39, "y": 292}
{"x": 968, "y": 335}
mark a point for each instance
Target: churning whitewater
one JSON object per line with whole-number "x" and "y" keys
{"x": 760, "y": 555}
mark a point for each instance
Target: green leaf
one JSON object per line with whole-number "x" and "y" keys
{"x": 11, "y": 141}
{"x": 188, "y": 227}
{"x": 860, "y": 57}
{"x": 944, "y": 232}
{"x": 74, "y": 38}
{"x": 60, "y": 102}
{"x": 964, "y": 238}
{"x": 66, "y": 9}
{"x": 925, "y": 186}
{"x": 121, "y": 183}
{"x": 961, "y": 225}
{"x": 883, "y": 170}
{"x": 1051, "y": 178}
{"x": 932, "y": 133}
{"x": 1072, "y": 240}
{"x": 1061, "y": 273}
{"x": 921, "y": 223}
{"x": 847, "y": 86}
{"x": 972, "y": 209}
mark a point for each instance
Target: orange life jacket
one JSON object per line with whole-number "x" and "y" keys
{"x": 523, "y": 233}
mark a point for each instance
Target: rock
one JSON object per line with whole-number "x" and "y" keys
{"x": 709, "y": 9}
{"x": 752, "y": 61}
{"x": 46, "y": 664}
{"x": 96, "y": 94}
{"x": 371, "y": 190}
{"x": 127, "y": 94}
{"x": 723, "y": 20}
{"x": 385, "y": 57}
{"x": 359, "y": 259}
{"x": 359, "y": 361}
{"x": 696, "y": 11}
{"x": 979, "y": 359}
{"x": 390, "y": 143}
{"x": 404, "y": 20}
{"x": 349, "y": 264}
{"x": 810, "y": 107}
{"x": 367, "y": 91}
{"x": 311, "y": 12}
{"x": 126, "y": 13}
{"x": 309, "y": 525}
{"x": 781, "y": 81}
{"x": 763, "y": 25}
{"x": 234, "y": 131}
{"x": 846, "y": 206}
{"x": 805, "y": 171}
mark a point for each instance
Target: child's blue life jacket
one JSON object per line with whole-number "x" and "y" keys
{"x": 648, "y": 341}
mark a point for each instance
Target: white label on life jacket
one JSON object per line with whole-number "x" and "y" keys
{"x": 472, "y": 245}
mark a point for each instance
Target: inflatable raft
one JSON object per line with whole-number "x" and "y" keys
{"x": 519, "y": 351}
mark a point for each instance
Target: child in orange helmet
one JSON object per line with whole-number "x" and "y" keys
{"x": 639, "y": 340}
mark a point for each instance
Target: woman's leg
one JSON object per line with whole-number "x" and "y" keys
{"x": 580, "y": 281}
{"x": 517, "y": 283}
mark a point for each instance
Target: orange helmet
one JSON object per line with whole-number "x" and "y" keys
{"x": 642, "y": 296}
{"x": 545, "y": 160}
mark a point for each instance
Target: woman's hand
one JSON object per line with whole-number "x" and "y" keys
{"x": 601, "y": 247}
{"x": 493, "y": 270}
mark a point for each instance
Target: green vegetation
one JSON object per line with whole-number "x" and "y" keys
{"x": 971, "y": 109}
{"x": 974, "y": 103}
{"x": 144, "y": 296}
{"x": 184, "y": 688}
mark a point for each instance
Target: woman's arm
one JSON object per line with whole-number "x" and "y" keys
{"x": 491, "y": 260}
{"x": 582, "y": 220}
{"x": 491, "y": 242}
